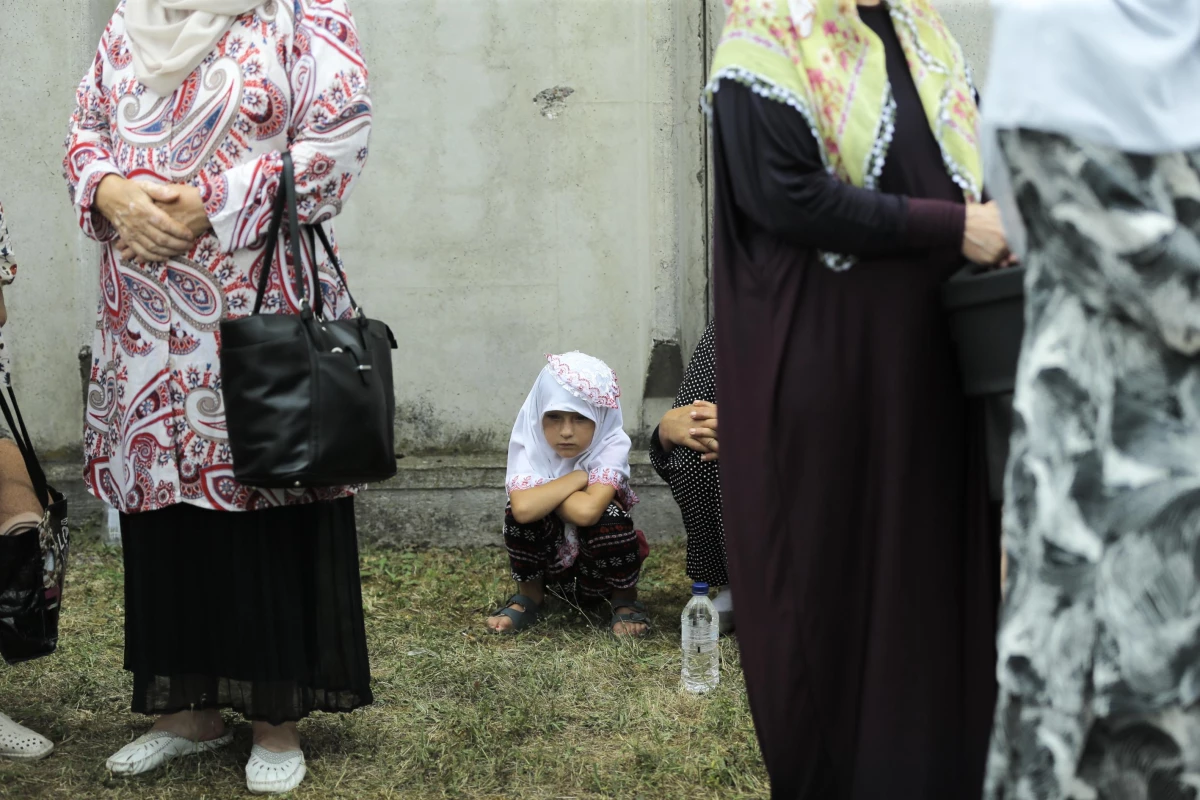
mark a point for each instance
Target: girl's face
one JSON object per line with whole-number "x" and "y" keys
{"x": 568, "y": 432}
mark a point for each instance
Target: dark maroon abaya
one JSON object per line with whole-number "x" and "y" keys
{"x": 863, "y": 554}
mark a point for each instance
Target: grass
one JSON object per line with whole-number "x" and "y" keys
{"x": 562, "y": 711}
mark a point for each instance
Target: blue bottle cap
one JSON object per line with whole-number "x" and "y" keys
{"x": 699, "y": 589}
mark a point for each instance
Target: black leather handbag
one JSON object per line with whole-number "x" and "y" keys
{"x": 33, "y": 563}
{"x": 309, "y": 401}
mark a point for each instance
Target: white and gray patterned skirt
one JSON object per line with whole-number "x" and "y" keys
{"x": 1099, "y": 644}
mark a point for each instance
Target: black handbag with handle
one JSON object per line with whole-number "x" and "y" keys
{"x": 33, "y": 563}
{"x": 309, "y": 401}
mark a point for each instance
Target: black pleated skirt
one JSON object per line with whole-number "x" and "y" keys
{"x": 257, "y": 611}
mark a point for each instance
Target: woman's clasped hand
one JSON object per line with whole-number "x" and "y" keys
{"x": 154, "y": 222}
{"x": 692, "y": 426}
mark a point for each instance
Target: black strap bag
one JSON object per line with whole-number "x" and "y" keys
{"x": 33, "y": 564}
{"x": 308, "y": 401}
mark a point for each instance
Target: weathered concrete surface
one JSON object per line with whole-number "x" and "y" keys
{"x": 971, "y": 23}
{"x": 44, "y": 50}
{"x": 84, "y": 511}
{"x": 442, "y": 502}
{"x": 460, "y": 502}
{"x": 532, "y": 188}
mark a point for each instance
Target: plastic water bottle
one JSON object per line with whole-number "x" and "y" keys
{"x": 112, "y": 531}
{"x": 701, "y": 661}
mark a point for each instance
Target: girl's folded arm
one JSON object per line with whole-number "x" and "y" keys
{"x": 586, "y": 508}
{"x": 530, "y": 505}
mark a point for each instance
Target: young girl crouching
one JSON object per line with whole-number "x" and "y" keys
{"x": 569, "y": 497}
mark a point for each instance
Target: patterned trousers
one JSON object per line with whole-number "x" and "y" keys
{"x": 602, "y": 558}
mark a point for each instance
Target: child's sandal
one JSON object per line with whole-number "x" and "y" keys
{"x": 521, "y": 620}
{"x": 638, "y": 616}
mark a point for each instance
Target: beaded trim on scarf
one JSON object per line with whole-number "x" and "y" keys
{"x": 763, "y": 87}
{"x": 883, "y": 141}
{"x": 953, "y": 168}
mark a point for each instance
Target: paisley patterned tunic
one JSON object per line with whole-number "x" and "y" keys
{"x": 289, "y": 74}
{"x": 1099, "y": 647}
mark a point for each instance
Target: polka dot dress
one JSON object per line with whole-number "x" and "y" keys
{"x": 696, "y": 484}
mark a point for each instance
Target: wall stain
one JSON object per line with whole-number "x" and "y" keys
{"x": 665, "y": 370}
{"x": 640, "y": 439}
{"x": 553, "y": 102}
{"x": 421, "y": 431}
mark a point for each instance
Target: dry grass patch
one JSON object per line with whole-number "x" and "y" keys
{"x": 561, "y": 711}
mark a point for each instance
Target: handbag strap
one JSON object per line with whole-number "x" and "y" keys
{"x": 16, "y": 424}
{"x": 285, "y": 201}
{"x": 268, "y": 261}
{"x": 299, "y": 279}
{"x": 319, "y": 230}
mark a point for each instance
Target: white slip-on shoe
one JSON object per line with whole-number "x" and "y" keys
{"x": 149, "y": 752}
{"x": 274, "y": 773}
{"x": 17, "y": 741}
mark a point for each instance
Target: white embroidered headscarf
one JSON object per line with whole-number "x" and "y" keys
{"x": 169, "y": 38}
{"x": 585, "y": 385}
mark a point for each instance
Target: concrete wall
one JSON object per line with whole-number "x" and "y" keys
{"x": 532, "y": 188}
{"x": 44, "y": 50}
{"x": 537, "y": 183}
{"x": 971, "y": 22}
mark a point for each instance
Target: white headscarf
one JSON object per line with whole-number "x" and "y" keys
{"x": 169, "y": 38}
{"x": 1123, "y": 74}
{"x": 578, "y": 383}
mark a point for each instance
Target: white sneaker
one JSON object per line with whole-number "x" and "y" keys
{"x": 156, "y": 749}
{"x": 17, "y": 741}
{"x": 274, "y": 773}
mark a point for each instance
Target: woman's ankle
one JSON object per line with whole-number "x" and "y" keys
{"x": 623, "y": 598}
{"x": 534, "y": 590}
{"x": 199, "y": 726}
{"x": 277, "y": 738}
